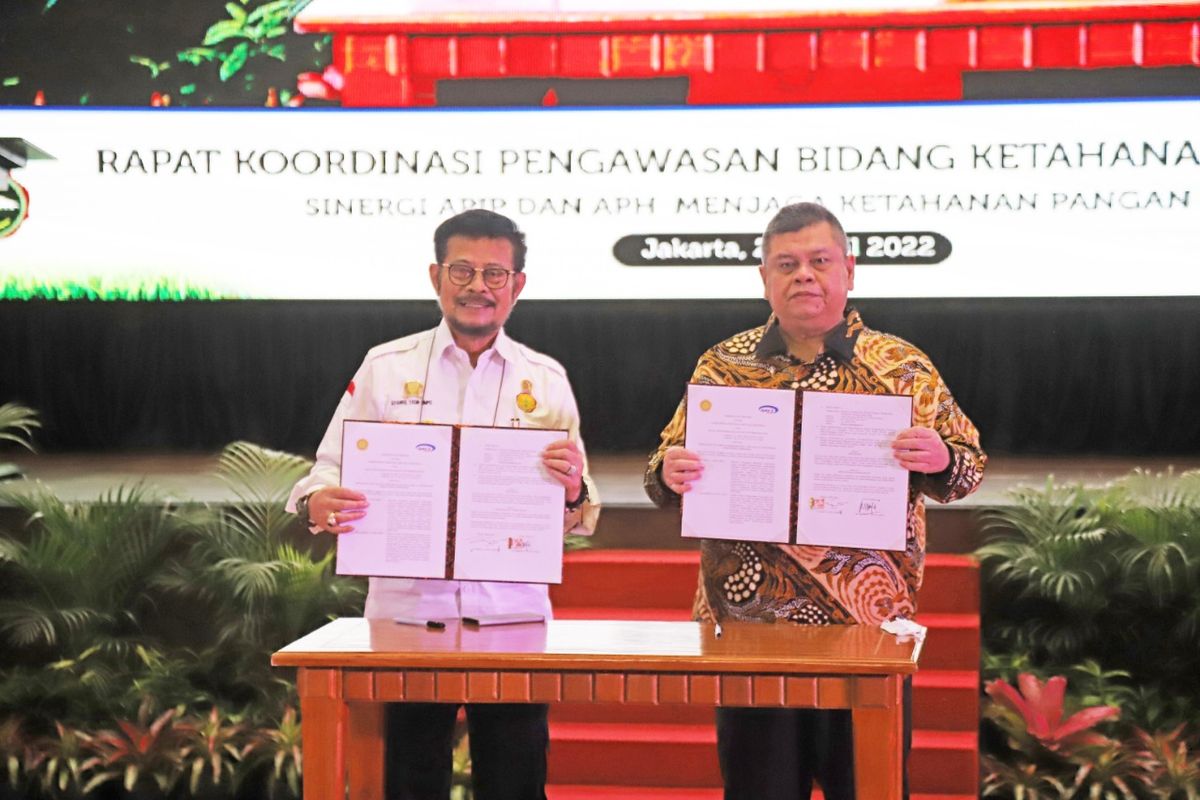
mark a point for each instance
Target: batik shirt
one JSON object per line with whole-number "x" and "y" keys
{"x": 812, "y": 584}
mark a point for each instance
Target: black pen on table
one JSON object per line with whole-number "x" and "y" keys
{"x": 433, "y": 624}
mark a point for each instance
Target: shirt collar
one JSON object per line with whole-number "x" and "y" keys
{"x": 503, "y": 346}
{"x": 839, "y": 341}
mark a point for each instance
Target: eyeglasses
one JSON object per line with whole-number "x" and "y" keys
{"x": 463, "y": 274}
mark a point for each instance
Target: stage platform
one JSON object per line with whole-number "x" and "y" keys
{"x": 629, "y": 519}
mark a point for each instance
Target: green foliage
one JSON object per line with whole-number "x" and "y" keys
{"x": 264, "y": 591}
{"x": 17, "y": 424}
{"x": 1101, "y": 585}
{"x": 135, "y": 636}
{"x": 213, "y": 53}
{"x": 165, "y": 288}
{"x": 1105, "y": 578}
{"x": 80, "y": 580}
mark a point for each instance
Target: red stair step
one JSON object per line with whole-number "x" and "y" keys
{"x": 946, "y": 700}
{"x": 951, "y": 584}
{"x": 944, "y": 762}
{"x": 952, "y": 642}
{"x": 628, "y": 578}
{"x": 569, "y": 792}
{"x": 663, "y": 793}
{"x": 676, "y": 614}
{"x": 685, "y": 756}
{"x": 636, "y": 755}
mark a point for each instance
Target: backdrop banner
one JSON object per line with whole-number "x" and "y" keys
{"x": 1030, "y": 199}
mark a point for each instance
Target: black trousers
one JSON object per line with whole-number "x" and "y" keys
{"x": 777, "y": 753}
{"x": 508, "y": 750}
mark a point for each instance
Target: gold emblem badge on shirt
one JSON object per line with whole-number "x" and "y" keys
{"x": 525, "y": 400}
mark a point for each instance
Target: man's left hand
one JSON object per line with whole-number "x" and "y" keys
{"x": 921, "y": 450}
{"x": 564, "y": 462}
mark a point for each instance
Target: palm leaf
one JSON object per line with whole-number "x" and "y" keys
{"x": 17, "y": 424}
{"x": 260, "y": 475}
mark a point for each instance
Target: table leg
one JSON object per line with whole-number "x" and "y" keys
{"x": 365, "y": 750}
{"x": 323, "y": 718}
{"x": 879, "y": 746}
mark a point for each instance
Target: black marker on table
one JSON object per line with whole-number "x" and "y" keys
{"x": 432, "y": 624}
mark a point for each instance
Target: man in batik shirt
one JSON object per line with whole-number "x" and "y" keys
{"x": 814, "y": 342}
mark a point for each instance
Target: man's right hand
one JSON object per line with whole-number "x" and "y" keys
{"x": 334, "y": 506}
{"x": 680, "y": 468}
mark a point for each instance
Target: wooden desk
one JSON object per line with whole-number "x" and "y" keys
{"x": 350, "y": 666}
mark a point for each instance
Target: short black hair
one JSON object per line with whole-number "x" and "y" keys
{"x": 799, "y": 216}
{"x": 479, "y": 223}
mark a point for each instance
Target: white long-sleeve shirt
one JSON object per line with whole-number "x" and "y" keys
{"x": 426, "y": 377}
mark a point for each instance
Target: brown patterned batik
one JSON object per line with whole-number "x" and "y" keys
{"x": 815, "y": 584}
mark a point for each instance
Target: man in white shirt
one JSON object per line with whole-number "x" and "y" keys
{"x": 467, "y": 371}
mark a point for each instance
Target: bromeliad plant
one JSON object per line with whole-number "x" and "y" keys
{"x": 1053, "y": 754}
{"x": 139, "y": 754}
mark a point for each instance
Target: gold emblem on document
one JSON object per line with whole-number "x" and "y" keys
{"x": 413, "y": 388}
{"x": 525, "y": 400}
{"x": 706, "y": 405}
{"x": 363, "y": 444}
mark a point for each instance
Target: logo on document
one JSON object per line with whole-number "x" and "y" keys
{"x": 519, "y": 543}
{"x": 426, "y": 447}
{"x": 706, "y": 405}
{"x": 769, "y": 409}
{"x": 363, "y": 444}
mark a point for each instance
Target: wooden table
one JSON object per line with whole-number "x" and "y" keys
{"x": 350, "y": 666}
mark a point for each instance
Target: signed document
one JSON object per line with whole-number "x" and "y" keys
{"x": 745, "y": 436}
{"x": 510, "y": 511}
{"x": 404, "y": 470}
{"x": 851, "y": 491}
{"x": 467, "y": 503}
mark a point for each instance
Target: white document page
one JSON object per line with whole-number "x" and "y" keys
{"x": 745, "y": 438}
{"x": 510, "y": 511}
{"x": 852, "y": 492}
{"x": 404, "y": 470}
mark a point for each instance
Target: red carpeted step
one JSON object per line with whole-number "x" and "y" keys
{"x": 566, "y": 792}
{"x": 628, "y": 578}
{"x": 675, "y": 755}
{"x": 635, "y": 755}
{"x": 944, "y": 762}
{"x": 622, "y": 612}
{"x": 946, "y": 700}
{"x": 661, "y": 793}
{"x": 951, "y": 584}
{"x": 952, "y": 642}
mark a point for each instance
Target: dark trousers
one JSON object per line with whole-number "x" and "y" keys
{"x": 508, "y": 750}
{"x": 777, "y": 753}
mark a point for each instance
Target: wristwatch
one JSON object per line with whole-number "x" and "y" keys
{"x": 302, "y": 510}
{"x": 579, "y": 501}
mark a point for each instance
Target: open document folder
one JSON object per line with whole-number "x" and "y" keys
{"x": 796, "y": 467}
{"x": 446, "y": 501}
